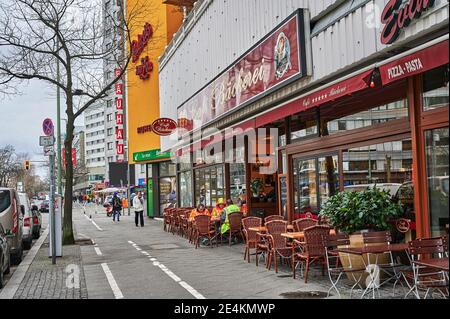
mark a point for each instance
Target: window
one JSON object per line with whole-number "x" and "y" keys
{"x": 435, "y": 88}
{"x": 185, "y": 179}
{"x": 333, "y": 122}
{"x": 109, "y": 117}
{"x": 304, "y": 125}
{"x": 110, "y": 131}
{"x": 110, "y": 146}
{"x": 109, "y": 103}
{"x": 167, "y": 169}
{"x": 437, "y": 159}
{"x": 142, "y": 168}
{"x": 209, "y": 185}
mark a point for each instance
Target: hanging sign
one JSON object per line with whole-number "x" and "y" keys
{"x": 164, "y": 126}
{"x": 278, "y": 59}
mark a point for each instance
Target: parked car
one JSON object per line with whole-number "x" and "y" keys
{"x": 5, "y": 258}
{"x": 37, "y": 221}
{"x": 12, "y": 222}
{"x": 45, "y": 206}
{"x": 27, "y": 230}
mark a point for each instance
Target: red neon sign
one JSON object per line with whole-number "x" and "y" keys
{"x": 119, "y": 134}
{"x": 119, "y": 119}
{"x": 119, "y": 149}
{"x": 144, "y": 70}
{"x": 119, "y": 88}
{"x": 397, "y": 17}
{"x": 119, "y": 103}
{"x": 137, "y": 46}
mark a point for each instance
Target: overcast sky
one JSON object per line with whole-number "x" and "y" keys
{"x": 21, "y": 119}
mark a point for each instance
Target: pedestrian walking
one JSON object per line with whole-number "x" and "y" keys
{"x": 117, "y": 207}
{"x": 138, "y": 204}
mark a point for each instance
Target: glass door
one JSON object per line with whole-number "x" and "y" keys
{"x": 437, "y": 165}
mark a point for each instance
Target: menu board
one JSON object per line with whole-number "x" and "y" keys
{"x": 282, "y": 186}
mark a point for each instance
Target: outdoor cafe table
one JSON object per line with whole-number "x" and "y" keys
{"x": 263, "y": 229}
{"x": 301, "y": 235}
{"x": 376, "y": 249}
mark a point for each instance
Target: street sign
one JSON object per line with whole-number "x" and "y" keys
{"x": 48, "y": 150}
{"x": 46, "y": 140}
{"x": 47, "y": 127}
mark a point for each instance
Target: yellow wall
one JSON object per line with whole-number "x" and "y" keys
{"x": 143, "y": 95}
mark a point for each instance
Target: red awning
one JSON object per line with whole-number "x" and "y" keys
{"x": 322, "y": 96}
{"x": 415, "y": 63}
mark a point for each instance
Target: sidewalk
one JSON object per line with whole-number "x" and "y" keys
{"x": 65, "y": 280}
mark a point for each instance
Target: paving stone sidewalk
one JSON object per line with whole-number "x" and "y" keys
{"x": 46, "y": 281}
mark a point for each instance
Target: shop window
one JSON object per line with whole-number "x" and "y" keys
{"x": 167, "y": 193}
{"x": 185, "y": 180}
{"x": 384, "y": 163}
{"x": 333, "y": 122}
{"x": 304, "y": 125}
{"x": 437, "y": 160}
{"x": 435, "y": 88}
{"x": 237, "y": 176}
{"x": 209, "y": 185}
{"x": 167, "y": 169}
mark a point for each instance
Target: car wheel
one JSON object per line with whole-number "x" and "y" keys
{"x": 1, "y": 279}
{"x": 8, "y": 269}
{"x": 27, "y": 244}
{"x": 17, "y": 258}
{"x": 37, "y": 234}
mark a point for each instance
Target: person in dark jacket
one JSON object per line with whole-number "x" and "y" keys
{"x": 117, "y": 207}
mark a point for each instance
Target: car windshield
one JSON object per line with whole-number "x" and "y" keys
{"x": 5, "y": 200}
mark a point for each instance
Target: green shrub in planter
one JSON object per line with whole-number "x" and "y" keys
{"x": 351, "y": 212}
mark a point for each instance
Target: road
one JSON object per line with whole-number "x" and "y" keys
{"x": 133, "y": 262}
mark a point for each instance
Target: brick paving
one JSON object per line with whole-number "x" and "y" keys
{"x": 46, "y": 281}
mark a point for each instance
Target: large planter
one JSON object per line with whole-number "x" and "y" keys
{"x": 356, "y": 240}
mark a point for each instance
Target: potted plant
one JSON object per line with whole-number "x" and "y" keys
{"x": 361, "y": 211}
{"x": 256, "y": 186}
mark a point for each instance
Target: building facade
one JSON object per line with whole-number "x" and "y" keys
{"x": 356, "y": 91}
{"x": 115, "y": 119}
{"x": 154, "y": 172}
{"x": 94, "y": 138}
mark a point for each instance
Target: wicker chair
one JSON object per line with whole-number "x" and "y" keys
{"x": 166, "y": 218}
{"x": 203, "y": 229}
{"x": 250, "y": 236}
{"x": 312, "y": 250}
{"x": 278, "y": 244}
{"x": 235, "y": 221}
{"x": 335, "y": 268}
{"x": 273, "y": 217}
{"x": 425, "y": 278}
{"x": 303, "y": 223}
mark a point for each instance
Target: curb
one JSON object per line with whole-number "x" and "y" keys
{"x": 13, "y": 284}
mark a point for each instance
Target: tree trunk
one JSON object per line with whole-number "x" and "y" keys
{"x": 68, "y": 238}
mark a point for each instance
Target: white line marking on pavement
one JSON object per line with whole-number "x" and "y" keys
{"x": 92, "y": 221}
{"x": 169, "y": 273}
{"x": 193, "y": 292}
{"x": 130, "y": 242}
{"x": 158, "y": 218}
{"x": 97, "y": 251}
{"x": 112, "y": 282}
{"x": 13, "y": 284}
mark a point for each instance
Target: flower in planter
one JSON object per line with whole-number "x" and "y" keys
{"x": 352, "y": 212}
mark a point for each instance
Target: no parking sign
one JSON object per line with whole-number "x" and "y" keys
{"x": 47, "y": 127}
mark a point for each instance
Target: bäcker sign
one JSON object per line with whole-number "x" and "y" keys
{"x": 275, "y": 61}
{"x": 396, "y": 17}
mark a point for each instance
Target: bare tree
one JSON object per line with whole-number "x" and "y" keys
{"x": 39, "y": 36}
{"x": 10, "y": 166}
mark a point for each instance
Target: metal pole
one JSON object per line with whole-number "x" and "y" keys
{"x": 58, "y": 126}
{"x": 128, "y": 188}
{"x": 52, "y": 207}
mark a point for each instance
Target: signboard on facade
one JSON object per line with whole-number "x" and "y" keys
{"x": 150, "y": 155}
{"x": 398, "y": 15}
{"x": 276, "y": 60}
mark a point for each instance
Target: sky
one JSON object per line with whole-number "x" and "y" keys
{"x": 21, "y": 118}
